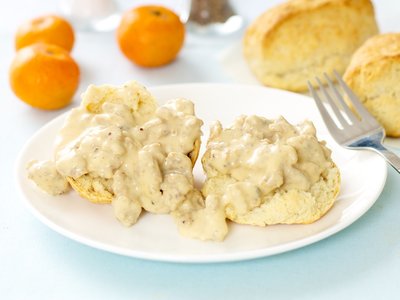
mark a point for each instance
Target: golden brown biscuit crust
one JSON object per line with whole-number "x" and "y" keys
{"x": 299, "y": 39}
{"x": 374, "y": 74}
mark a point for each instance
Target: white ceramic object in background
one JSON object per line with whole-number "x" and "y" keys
{"x": 94, "y": 15}
{"x": 155, "y": 237}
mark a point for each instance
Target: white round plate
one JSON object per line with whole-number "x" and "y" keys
{"x": 155, "y": 237}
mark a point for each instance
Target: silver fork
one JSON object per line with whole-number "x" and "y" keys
{"x": 348, "y": 129}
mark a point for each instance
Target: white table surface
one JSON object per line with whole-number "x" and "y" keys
{"x": 360, "y": 262}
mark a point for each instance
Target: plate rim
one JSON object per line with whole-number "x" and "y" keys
{"x": 190, "y": 258}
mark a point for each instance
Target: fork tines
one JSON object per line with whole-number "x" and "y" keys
{"x": 358, "y": 130}
{"x": 337, "y": 114}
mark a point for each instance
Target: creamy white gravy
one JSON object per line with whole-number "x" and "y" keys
{"x": 255, "y": 157}
{"x": 45, "y": 175}
{"x": 146, "y": 161}
{"x": 148, "y": 166}
{"x": 267, "y": 153}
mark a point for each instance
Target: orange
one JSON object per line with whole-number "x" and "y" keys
{"x": 150, "y": 35}
{"x": 47, "y": 29}
{"x": 44, "y": 76}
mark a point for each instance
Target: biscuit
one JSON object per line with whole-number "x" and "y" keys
{"x": 300, "y": 39}
{"x": 270, "y": 172}
{"x": 374, "y": 74}
{"x": 143, "y": 105}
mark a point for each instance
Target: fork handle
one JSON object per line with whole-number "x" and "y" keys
{"x": 390, "y": 157}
